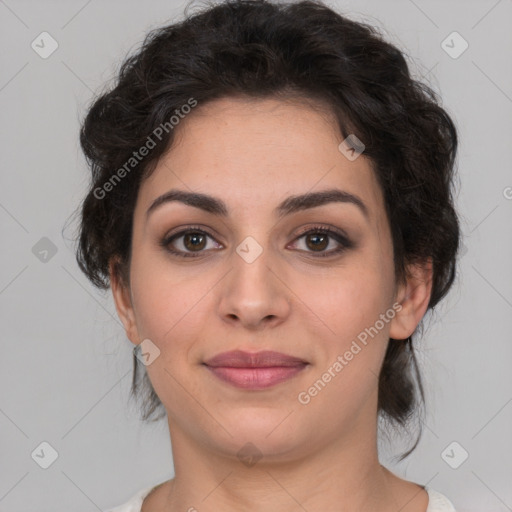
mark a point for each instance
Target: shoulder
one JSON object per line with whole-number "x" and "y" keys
{"x": 438, "y": 502}
{"x": 134, "y": 504}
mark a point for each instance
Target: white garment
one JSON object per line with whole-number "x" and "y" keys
{"x": 437, "y": 502}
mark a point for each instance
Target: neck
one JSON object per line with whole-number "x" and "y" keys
{"x": 345, "y": 475}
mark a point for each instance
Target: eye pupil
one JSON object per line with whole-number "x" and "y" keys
{"x": 190, "y": 239}
{"x": 323, "y": 243}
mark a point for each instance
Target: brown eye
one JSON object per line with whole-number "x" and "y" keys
{"x": 319, "y": 238}
{"x": 194, "y": 241}
{"x": 187, "y": 242}
{"x": 317, "y": 242}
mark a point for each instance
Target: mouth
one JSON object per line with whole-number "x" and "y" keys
{"x": 259, "y": 370}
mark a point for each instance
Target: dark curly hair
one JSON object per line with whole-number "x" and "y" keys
{"x": 262, "y": 49}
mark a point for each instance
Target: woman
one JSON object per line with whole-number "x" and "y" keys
{"x": 271, "y": 204}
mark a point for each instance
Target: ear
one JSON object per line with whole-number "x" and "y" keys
{"x": 414, "y": 297}
{"x": 123, "y": 301}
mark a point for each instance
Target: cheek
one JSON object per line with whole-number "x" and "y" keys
{"x": 352, "y": 350}
{"x": 168, "y": 306}
{"x": 152, "y": 298}
{"x": 346, "y": 302}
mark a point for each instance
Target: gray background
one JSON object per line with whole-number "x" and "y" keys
{"x": 65, "y": 369}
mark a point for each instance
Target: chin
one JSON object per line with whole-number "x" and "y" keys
{"x": 264, "y": 431}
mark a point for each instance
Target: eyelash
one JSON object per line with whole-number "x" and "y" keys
{"x": 336, "y": 235}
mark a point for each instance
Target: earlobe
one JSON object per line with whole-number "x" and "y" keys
{"x": 123, "y": 301}
{"x": 413, "y": 297}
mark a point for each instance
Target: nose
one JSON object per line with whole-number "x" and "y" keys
{"x": 254, "y": 294}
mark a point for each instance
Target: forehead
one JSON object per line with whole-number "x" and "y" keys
{"x": 253, "y": 152}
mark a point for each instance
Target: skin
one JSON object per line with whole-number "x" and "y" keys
{"x": 253, "y": 154}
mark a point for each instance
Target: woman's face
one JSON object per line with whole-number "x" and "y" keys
{"x": 252, "y": 280}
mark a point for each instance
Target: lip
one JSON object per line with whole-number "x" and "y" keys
{"x": 254, "y": 370}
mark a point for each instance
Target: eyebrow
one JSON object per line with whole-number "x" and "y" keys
{"x": 290, "y": 205}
